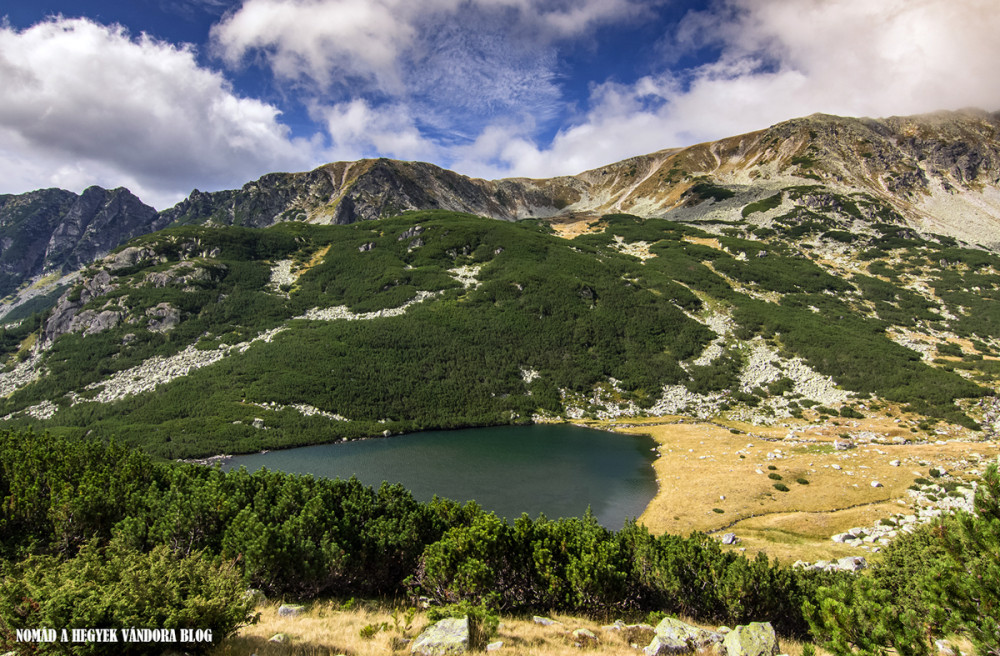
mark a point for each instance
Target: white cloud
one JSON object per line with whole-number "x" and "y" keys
{"x": 358, "y": 130}
{"x": 88, "y": 104}
{"x": 778, "y": 59}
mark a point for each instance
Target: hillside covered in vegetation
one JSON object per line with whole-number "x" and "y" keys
{"x": 194, "y": 341}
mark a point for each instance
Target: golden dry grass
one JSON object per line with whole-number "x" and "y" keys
{"x": 706, "y": 466}
{"x": 326, "y": 630}
{"x": 573, "y": 226}
{"x": 711, "y": 242}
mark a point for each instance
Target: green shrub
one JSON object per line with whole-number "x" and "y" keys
{"x": 851, "y": 413}
{"x": 938, "y": 581}
{"x": 718, "y": 510}
{"x": 763, "y": 205}
{"x": 774, "y": 477}
{"x": 114, "y": 587}
{"x": 802, "y": 481}
{"x": 780, "y": 487}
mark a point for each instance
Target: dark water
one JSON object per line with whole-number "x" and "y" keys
{"x": 557, "y": 470}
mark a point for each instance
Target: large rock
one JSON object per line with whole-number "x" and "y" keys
{"x": 584, "y": 638}
{"x": 695, "y": 636}
{"x": 852, "y": 564}
{"x": 162, "y": 317}
{"x": 662, "y": 645}
{"x": 449, "y": 636}
{"x": 754, "y": 639}
{"x": 291, "y": 610}
{"x": 676, "y": 637}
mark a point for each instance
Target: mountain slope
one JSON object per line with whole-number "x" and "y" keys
{"x": 197, "y": 340}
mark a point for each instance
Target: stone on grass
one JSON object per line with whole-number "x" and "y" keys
{"x": 494, "y": 646}
{"x": 291, "y": 610}
{"x": 255, "y": 597}
{"x": 676, "y": 637}
{"x": 584, "y": 638}
{"x": 944, "y": 648}
{"x": 730, "y": 538}
{"x": 448, "y": 636}
{"x": 661, "y": 645}
{"x": 544, "y": 621}
{"x": 754, "y": 639}
{"x": 852, "y": 564}
{"x": 279, "y": 638}
{"x": 693, "y": 635}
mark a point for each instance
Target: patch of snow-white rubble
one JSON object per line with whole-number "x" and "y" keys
{"x": 721, "y": 323}
{"x": 468, "y": 275}
{"x": 160, "y": 370}
{"x": 303, "y": 409}
{"x": 639, "y": 249}
{"x": 22, "y": 374}
{"x": 281, "y": 274}
{"x": 764, "y": 365}
{"x": 340, "y": 312}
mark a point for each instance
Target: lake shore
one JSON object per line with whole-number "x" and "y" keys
{"x": 715, "y": 477}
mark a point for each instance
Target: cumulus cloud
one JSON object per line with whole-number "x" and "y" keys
{"x": 86, "y": 104}
{"x": 357, "y": 129}
{"x": 777, "y": 60}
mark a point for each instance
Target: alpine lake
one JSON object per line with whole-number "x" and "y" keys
{"x": 553, "y": 469}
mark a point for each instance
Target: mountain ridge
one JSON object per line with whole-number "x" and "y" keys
{"x": 911, "y": 163}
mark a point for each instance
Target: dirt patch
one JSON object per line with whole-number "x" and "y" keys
{"x": 574, "y": 226}
{"x": 704, "y": 241}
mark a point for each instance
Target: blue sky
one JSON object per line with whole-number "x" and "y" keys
{"x": 163, "y": 96}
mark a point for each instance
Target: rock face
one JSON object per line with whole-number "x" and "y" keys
{"x": 51, "y": 230}
{"x": 449, "y": 636}
{"x": 754, "y": 639}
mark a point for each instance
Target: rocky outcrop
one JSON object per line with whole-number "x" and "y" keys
{"x": 448, "y": 636}
{"x": 162, "y": 317}
{"x": 64, "y": 317}
{"x": 52, "y": 230}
